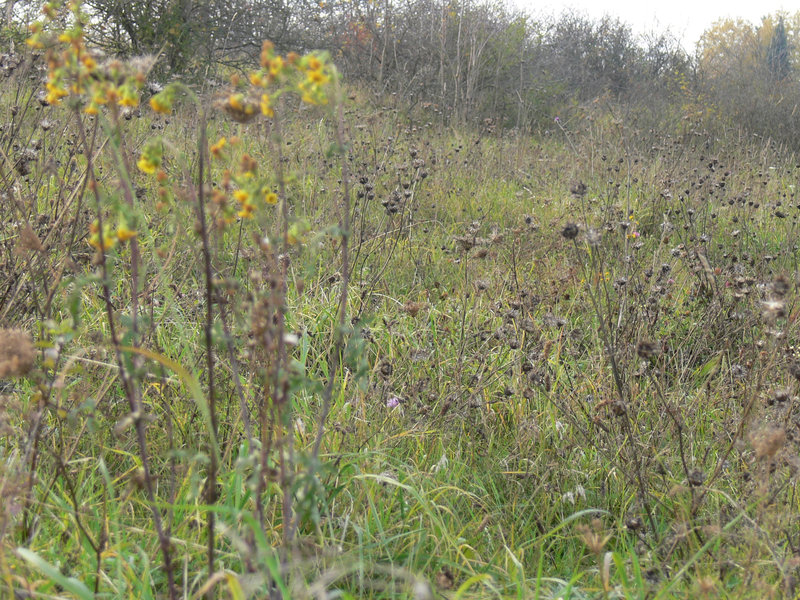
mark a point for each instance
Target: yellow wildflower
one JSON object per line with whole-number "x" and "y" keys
{"x": 240, "y": 109}
{"x": 112, "y": 95}
{"x": 150, "y": 159}
{"x": 162, "y": 101}
{"x": 128, "y": 96}
{"x": 216, "y": 149}
{"x": 266, "y": 106}
{"x": 276, "y": 66}
{"x": 55, "y": 93}
{"x": 266, "y": 53}
{"x": 314, "y": 63}
{"x": 318, "y": 77}
{"x": 99, "y": 97}
{"x": 257, "y": 79}
{"x": 124, "y": 233}
{"x": 235, "y": 101}
{"x": 101, "y": 242}
{"x": 146, "y": 165}
{"x": 297, "y": 232}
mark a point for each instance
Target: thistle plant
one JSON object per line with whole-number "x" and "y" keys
{"x": 249, "y": 195}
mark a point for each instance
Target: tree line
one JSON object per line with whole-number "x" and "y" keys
{"x": 478, "y": 60}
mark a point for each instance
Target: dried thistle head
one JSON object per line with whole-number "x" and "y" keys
{"x": 706, "y": 585}
{"x": 767, "y": 441}
{"x": 594, "y": 536}
{"x": 779, "y": 287}
{"x": 794, "y": 369}
{"x": 412, "y": 308}
{"x": 647, "y": 350}
{"x": 570, "y": 231}
{"x": 773, "y": 309}
{"x": 579, "y": 189}
{"x": 594, "y": 236}
{"x": 17, "y": 353}
{"x": 28, "y": 241}
{"x": 696, "y": 478}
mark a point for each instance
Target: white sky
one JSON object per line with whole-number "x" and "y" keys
{"x": 687, "y": 19}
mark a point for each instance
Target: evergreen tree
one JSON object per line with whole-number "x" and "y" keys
{"x": 778, "y": 53}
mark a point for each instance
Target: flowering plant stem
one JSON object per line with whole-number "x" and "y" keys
{"x": 129, "y": 384}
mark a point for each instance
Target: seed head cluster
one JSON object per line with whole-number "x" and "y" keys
{"x": 17, "y": 353}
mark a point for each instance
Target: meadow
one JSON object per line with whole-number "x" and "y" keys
{"x": 327, "y": 345}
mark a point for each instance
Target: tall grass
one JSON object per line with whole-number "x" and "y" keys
{"x": 445, "y": 362}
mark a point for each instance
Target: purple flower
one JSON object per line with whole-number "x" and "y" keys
{"x": 393, "y": 402}
{"x": 557, "y": 120}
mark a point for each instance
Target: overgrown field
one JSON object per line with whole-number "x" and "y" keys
{"x": 551, "y": 366}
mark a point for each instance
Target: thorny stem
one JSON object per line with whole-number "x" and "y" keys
{"x": 344, "y": 231}
{"x": 211, "y": 481}
{"x": 134, "y": 242}
{"x": 131, "y": 390}
{"x": 245, "y": 412}
{"x": 676, "y": 420}
{"x": 276, "y": 393}
{"x": 606, "y": 338}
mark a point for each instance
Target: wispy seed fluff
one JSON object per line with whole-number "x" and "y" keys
{"x": 17, "y": 353}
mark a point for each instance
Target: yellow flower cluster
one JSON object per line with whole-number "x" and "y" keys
{"x": 73, "y": 71}
{"x": 310, "y": 74}
{"x": 242, "y": 190}
{"x": 162, "y": 102}
{"x": 110, "y": 236}
{"x": 241, "y": 108}
{"x": 317, "y": 76}
{"x": 216, "y": 149}
{"x": 152, "y": 155}
{"x": 244, "y": 184}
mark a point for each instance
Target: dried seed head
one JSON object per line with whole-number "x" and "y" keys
{"x": 594, "y": 236}
{"x": 780, "y": 396}
{"x": 647, "y": 350}
{"x": 794, "y": 370}
{"x": 386, "y": 369}
{"x": 578, "y": 190}
{"x": 619, "y": 408}
{"x": 634, "y": 523}
{"x": 773, "y": 309}
{"x": 593, "y": 536}
{"x": 570, "y": 231}
{"x": 706, "y": 585}
{"x": 767, "y": 441}
{"x": 28, "y": 241}
{"x": 412, "y": 308}
{"x": 17, "y": 353}
{"x": 779, "y": 287}
{"x": 696, "y": 478}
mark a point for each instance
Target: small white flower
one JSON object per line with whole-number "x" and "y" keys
{"x": 442, "y": 464}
